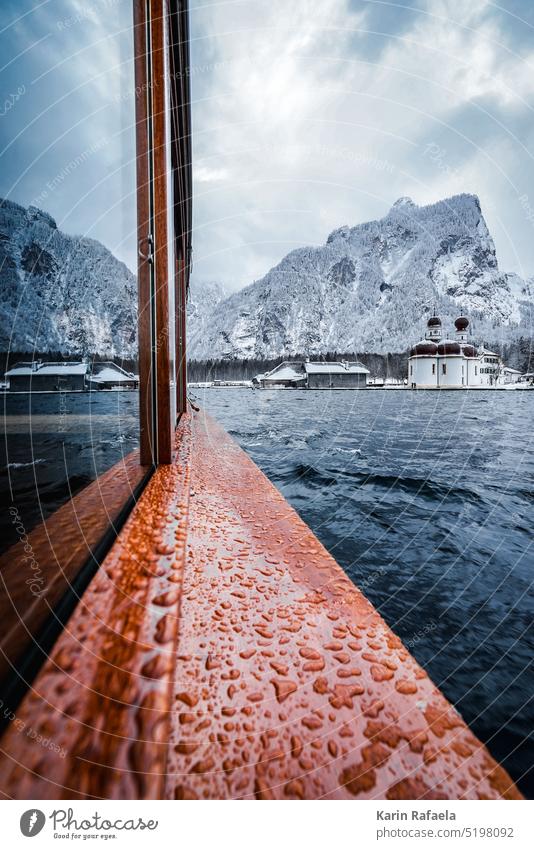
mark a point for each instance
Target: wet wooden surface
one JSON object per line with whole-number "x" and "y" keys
{"x": 37, "y": 571}
{"x": 220, "y": 652}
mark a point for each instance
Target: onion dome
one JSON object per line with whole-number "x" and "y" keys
{"x": 434, "y": 321}
{"x": 449, "y": 346}
{"x": 469, "y": 351}
{"x": 461, "y": 323}
{"x": 424, "y": 349}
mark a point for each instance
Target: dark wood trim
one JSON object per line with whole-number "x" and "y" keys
{"x": 181, "y": 356}
{"x": 171, "y": 209}
{"x": 144, "y": 267}
{"x": 182, "y": 167}
{"x": 160, "y": 217}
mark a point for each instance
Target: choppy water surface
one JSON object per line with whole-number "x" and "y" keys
{"x": 54, "y": 444}
{"x": 426, "y": 500}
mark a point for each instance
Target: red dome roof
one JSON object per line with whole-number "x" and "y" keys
{"x": 461, "y": 323}
{"x": 424, "y": 349}
{"x": 434, "y": 321}
{"x": 469, "y": 351}
{"x": 449, "y": 346}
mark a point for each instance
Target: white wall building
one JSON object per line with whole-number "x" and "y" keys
{"x": 443, "y": 363}
{"x": 509, "y": 375}
{"x": 314, "y": 375}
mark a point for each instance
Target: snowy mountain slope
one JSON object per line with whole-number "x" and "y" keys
{"x": 61, "y": 293}
{"x": 371, "y": 288}
{"x": 202, "y": 302}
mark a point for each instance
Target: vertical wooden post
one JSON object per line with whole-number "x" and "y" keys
{"x": 144, "y": 268}
{"x": 181, "y": 153}
{"x": 164, "y": 218}
{"x": 160, "y": 218}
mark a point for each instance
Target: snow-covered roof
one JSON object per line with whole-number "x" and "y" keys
{"x": 285, "y": 371}
{"x": 285, "y": 374}
{"x": 25, "y": 369}
{"x": 336, "y": 368}
{"x": 112, "y": 375}
{"x": 98, "y": 368}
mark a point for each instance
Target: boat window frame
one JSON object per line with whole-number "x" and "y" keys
{"x": 73, "y": 541}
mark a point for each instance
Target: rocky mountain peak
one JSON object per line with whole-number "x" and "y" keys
{"x": 62, "y": 293}
{"x": 36, "y": 214}
{"x": 371, "y": 288}
{"x": 404, "y": 203}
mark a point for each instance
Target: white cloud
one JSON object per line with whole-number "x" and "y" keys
{"x": 204, "y": 174}
{"x": 76, "y": 121}
{"x": 315, "y": 120}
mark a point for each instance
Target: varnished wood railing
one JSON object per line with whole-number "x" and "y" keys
{"x": 220, "y": 652}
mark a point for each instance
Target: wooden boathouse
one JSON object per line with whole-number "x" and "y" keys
{"x": 314, "y": 375}
{"x": 37, "y": 376}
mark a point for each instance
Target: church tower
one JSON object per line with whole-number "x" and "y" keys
{"x": 433, "y": 328}
{"x": 461, "y": 324}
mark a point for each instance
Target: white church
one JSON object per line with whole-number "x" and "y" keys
{"x": 437, "y": 362}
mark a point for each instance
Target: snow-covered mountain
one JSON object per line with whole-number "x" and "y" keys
{"x": 370, "y": 288}
{"x": 62, "y": 293}
{"x": 202, "y": 302}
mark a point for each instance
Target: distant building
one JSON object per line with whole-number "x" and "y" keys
{"x": 336, "y": 375}
{"x": 491, "y": 367}
{"x": 284, "y": 376}
{"x": 314, "y": 375}
{"x": 509, "y": 375}
{"x": 234, "y": 383}
{"x": 441, "y": 363}
{"x": 111, "y": 376}
{"x": 386, "y": 382}
{"x": 37, "y": 376}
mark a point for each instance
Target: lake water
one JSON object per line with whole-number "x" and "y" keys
{"x": 426, "y": 500}
{"x": 54, "y": 444}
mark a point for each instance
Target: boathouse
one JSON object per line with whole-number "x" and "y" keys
{"x": 284, "y": 376}
{"x": 109, "y": 375}
{"x": 314, "y": 375}
{"x": 36, "y": 376}
{"x": 340, "y": 375}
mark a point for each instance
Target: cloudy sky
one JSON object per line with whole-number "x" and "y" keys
{"x": 67, "y": 115}
{"x": 308, "y": 115}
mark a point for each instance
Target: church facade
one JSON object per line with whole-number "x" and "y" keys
{"x": 439, "y": 362}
